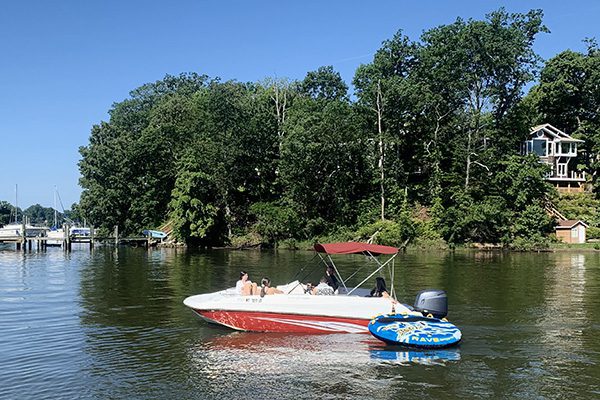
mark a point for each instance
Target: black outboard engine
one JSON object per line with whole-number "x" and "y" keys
{"x": 432, "y": 301}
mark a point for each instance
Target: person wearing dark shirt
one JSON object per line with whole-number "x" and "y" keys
{"x": 380, "y": 289}
{"x": 330, "y": 278}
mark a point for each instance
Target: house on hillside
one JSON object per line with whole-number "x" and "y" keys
{"x": 571, "y": 231}
{"x": 559, "y": 150}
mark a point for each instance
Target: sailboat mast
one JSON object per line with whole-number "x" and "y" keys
{"x": 55, "y": 212}
{"x": 16, "y": 203}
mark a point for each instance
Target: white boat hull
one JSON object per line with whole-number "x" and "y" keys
{"x": 55, "y": 238}
{"x": 292, "y": 313}
{"x": 15, "y": 230}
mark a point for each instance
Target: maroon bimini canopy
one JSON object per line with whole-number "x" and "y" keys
{"x": 354, "y": 248}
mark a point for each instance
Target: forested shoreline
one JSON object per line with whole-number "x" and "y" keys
{"x": 426, "y": 147}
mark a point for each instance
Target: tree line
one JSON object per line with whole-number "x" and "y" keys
{"x": 426, "y": 147}
{"x": 37, "y": 215}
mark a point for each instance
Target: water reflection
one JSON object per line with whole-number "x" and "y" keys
{"x": 111, "y": 324}
{"x": 563, "y": 318}
{"x": 415, "y": 356}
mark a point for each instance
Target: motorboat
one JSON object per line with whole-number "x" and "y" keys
{"x": 56, "y": 236}
{"x": 348, "y": 310}
{"x": 154, "y": 234}
{"x": 80, "y": 231}
{"x": 15, "y": 230}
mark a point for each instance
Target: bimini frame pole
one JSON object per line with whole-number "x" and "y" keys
{"x": 337, "y": 272}
{"x": 374, "y": 272}
{"x": 392, "y": 276}
{"x": 334, "y": 268}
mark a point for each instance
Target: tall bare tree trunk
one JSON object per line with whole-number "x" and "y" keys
{"x": 227, "y": 216}
{"x": 468, "y": 167}
{"x": 477, "y": 103}
{"x": 381, "y": 147}
{"x": 280, "y": 98}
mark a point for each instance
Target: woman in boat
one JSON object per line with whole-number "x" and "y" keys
{"x": 266, "y": 288}
{"x": 244, "y": 286}
{"x": 380, "y": 289}
{"x": 330, "y": 278}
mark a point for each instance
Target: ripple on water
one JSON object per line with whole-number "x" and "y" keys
{"x": 111, "y": 324}
{"x": 355, "y": 363}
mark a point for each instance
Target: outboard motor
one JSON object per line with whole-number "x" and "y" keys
{"x": 432, "y": 301}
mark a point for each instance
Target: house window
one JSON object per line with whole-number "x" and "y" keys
{"x": 565, "y": 148}
{"x": 561, "y": 170}
{"x": 539, "y": 147}
{"x": 529, "y": 147}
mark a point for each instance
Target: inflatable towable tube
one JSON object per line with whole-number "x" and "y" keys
{"x": 414, "y": 331}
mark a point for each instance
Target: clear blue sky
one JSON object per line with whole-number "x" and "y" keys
{"x": 63, "y": 63}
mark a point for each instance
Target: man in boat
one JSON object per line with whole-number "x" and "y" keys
{"x": 323, "y": 288}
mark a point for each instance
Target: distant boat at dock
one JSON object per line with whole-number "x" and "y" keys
{"x": 154, "y": 234}
{"x": 16, "y": 229}
{"x": 80, "y": 231}
{"x": 57, "y": 236}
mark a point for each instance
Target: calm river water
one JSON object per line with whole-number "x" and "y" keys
{"x": 111, "y": 324}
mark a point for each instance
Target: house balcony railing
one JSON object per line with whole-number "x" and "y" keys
{"x": 574, "y": 176}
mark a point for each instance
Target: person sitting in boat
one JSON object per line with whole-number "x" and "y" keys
{"x": 323, "y": 288}
{"x": 244, "y": 286}
{"x": 380, "y": 289}
{"x": 266, "y": 288}
{"x": 330, "y": 278}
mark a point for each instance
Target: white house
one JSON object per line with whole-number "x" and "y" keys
{"x": 559, "y": 150}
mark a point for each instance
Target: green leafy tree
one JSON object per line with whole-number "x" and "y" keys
{"x": 435, "y": 123}
{"x": 385, "y": 94}
{"x": 127, "y": 168}
{"x": 522, "y": 181}
{"x": 193, "y": 211}
{"x": 324, "y": 169}
{"x": 483, "y": 67}
{"x": 567, "y": 97}
{"x": 324, "y": 84}
{"x": 6, "y": 210}
{"x": 40, "y": 215}
{"x": 275, "y": 222}
{"x": 484, "y": 221}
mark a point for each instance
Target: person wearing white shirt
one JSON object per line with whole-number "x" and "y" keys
{"x": 244, "y": 286}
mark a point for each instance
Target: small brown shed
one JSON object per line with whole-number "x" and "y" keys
{"x": 571, "y": 231}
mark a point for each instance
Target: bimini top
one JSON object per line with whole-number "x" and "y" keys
{"x": 354, "y": 248}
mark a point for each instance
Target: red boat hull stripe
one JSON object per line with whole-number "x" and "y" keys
{"x": 288, "y": 323}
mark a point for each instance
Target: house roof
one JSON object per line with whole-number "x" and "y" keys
{"x": 554, "y": 132}
{"x": 570, "y": 223}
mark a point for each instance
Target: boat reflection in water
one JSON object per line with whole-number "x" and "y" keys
{"x": 282, "y": 354}
{"x": 401, "y": 355}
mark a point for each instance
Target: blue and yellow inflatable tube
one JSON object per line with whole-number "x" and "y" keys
{"x": 414, "y": 331}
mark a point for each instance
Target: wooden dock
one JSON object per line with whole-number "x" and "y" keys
{"x": 25, "y": 242}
